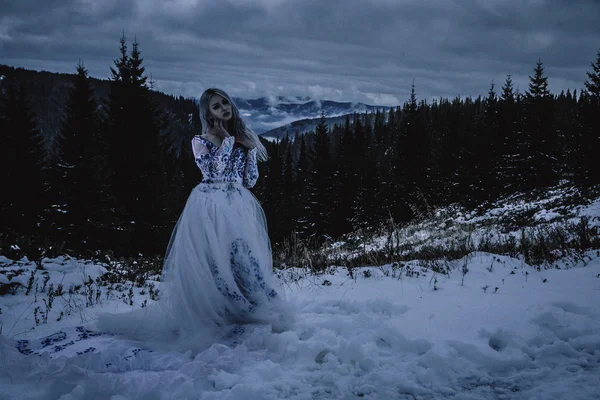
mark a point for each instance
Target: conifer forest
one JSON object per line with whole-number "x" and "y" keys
{"x": 92, "y": 165}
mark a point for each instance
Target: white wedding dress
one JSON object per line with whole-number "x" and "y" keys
{"x": 217, "y": 273}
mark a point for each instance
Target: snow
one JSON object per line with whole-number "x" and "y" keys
{"x": 271, "y": 138}
{"x": 390, "y": 333}
{"x": 454, "y": 225}
{"x": 502, "y": 330}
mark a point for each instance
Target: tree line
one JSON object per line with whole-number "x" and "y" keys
{"x": 122, "y": 166}
{"x": 112, "y": 178}
{"x": 395, "y": 165}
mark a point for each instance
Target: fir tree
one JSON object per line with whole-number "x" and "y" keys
{"x": 21, "y": 201}
{"x": 321, "y": 183}
{"x": 542, "y": 144}
{"x": 274, "y": 209}
{"x": 344, "y": 185}
{"x": 570, "y": 133}
{"x": 511, "y": 141}
{"x": 303, "y": 192}
{"x": 592, "y": 83}
{"x": 368, "y": 206}
{"x": 589, "y": 143}
{"x": 81, "y": 159}
{"x": 122, "y": 72}
{"x": 386, "y": 165}
{"x": 288, "y": 199}
{"x": 134, "y": 147}
{"x": 136, "y": 69}
{"x": 490, "y": 156}
{"x": 356, "y": 171}
{"x": 413, "y": 149}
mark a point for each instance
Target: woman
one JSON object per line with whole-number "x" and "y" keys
{"x": 217, "y": 271}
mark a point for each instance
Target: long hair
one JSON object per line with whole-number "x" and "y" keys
{"x": 239, "y": 128}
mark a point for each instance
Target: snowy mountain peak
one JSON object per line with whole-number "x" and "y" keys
{"x": 268, "y": 113}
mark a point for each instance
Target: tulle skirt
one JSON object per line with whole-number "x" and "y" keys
{"x": 217, "y": 274}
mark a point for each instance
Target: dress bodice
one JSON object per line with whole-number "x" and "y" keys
{"x": 225, "y": 163}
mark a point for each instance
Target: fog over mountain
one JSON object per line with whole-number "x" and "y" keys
{"x": 274, "y": 116}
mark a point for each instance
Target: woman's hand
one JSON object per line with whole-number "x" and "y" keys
{"x": 219, "y": 130}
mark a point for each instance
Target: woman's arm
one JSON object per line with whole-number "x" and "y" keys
{"x": 212, "y": 165}
{"x": 251, "y": 170}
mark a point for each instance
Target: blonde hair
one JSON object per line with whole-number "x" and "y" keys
{"x": 241, "y": 131}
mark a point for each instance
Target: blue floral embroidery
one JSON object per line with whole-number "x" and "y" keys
{"x": 85, "y": 333}
{"x": 55, "y": 337}
{"x": 57, "y": 342}
{"x": 22, "y": 347}
{"x": 230, "y": 189}
{"x": 88, "y": 350}
{"x": 231, "y": 293}
{"x": 227, "y": 163}
{"x": 251, "y": 171}
{"x": 247, "y": 273}
{"x": 250, "y": 290}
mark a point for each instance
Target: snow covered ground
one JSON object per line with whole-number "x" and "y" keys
{"x": 455, "y": 226}
{"x": 508, "y": 331}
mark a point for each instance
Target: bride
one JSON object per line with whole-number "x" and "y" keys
{"x": 217, "y": 274}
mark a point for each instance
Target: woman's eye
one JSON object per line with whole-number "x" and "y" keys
{"x": 216, "y": 107}
{"x": 225, "y": 102}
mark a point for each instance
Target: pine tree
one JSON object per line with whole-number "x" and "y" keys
{"x": 511, "y": 143}
{"x": 567, "y": 125}
{"x": 369, "y": 207}
{"x": 21, "y": 201}
{"x": 458, "y": 150}
{"x": 288, "y": 200}
{"x": 448, "y": 150}
{"x": 273, "y": 206}
{"x": 413, "y": 149}
{"x": 542, "y": 141}
{"x": 411, "y": 132}
{"x": 401, "y": 178}
{"x": 122, "y": 72}
{"x": 304, "y": 192}
{"x": 357, "y": 171}
{"x": 344, "y": 186}
{"x": 81, "y": 161}
{"x": 386, "y": 165}
{"x": 592, "y": 84}
{"x": 136, "y": 69}
{"x": 490, "y": 146}
{"x": 321, "y": 173}
{"x": 134, "y": 148}
{"x": 589, "y": 148}
{"x": 475, "y": 151}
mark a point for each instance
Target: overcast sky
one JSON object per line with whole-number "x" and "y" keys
{"x": 346, "y": 50}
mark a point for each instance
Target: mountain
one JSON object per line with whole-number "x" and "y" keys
{"x": 270, "y": 117}
{"x": 301, "y": 127}
{"x": 273, "y": 117}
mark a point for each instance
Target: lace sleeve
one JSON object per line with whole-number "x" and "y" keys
{"x": 251, "y": 169}
{"x": 212, "y": 164}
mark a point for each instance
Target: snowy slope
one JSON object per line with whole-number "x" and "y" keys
{"x": 506, "y": 220}
{"x": 389, "y": 333}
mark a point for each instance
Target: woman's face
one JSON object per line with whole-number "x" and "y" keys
{"x": 219, "y": 108}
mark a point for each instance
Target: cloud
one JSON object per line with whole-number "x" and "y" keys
{"x": 346, "y": 50}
